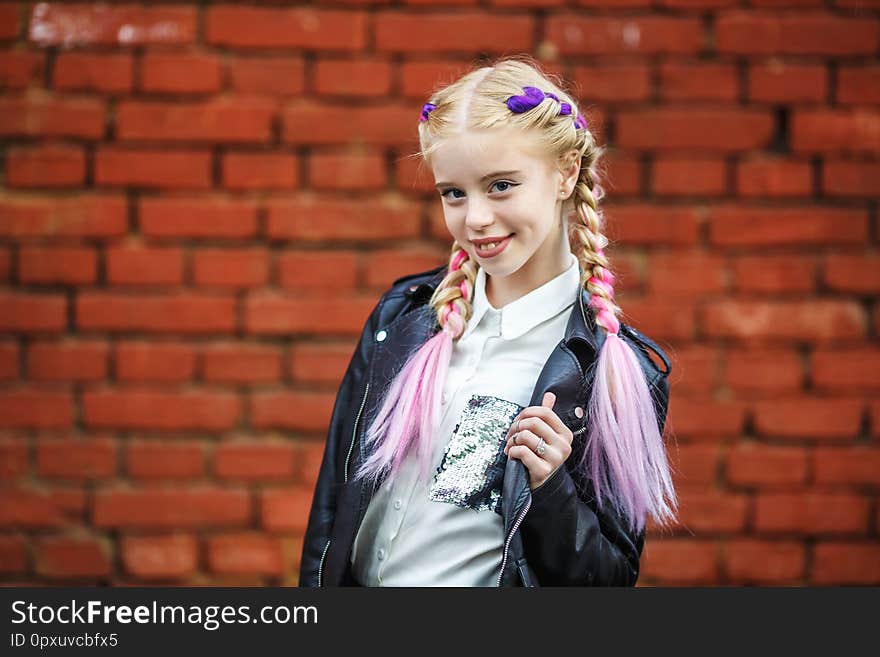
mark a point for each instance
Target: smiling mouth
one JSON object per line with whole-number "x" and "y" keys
{"x": 492, "y": 248}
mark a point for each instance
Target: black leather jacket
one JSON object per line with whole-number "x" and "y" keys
{"x": 554, "y": 536}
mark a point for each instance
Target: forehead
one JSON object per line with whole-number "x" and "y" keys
{"x": 472, "y": 154}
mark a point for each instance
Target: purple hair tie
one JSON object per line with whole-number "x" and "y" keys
{"x": 534, "y": 97}
{"x": 426, "y": 109}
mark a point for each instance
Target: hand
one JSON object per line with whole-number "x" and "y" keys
{"x": 525, "y": 433}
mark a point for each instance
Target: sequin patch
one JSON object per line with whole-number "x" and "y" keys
{"x": 472, "y": 470}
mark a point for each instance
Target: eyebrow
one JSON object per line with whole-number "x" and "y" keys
{"x": 486, "y": 177}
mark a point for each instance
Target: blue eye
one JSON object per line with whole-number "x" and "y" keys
{"x": 508, "y": 186}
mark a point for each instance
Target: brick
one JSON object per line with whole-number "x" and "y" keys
{"x": 197, "y": 217}
{"x": 313, "y": 123}
{"x": 308, "y": 28}
{"x": 57, "y": 265}
{"x": 161, "y": 362}
{"x": 316, "y": 271}
{"x": 858, "y": 85}
{"x": 320, "y": 363}
{"x": 231, "y": 268}
{"x": 708, "y": 129}
{"x": 361, "y": 77}
{"x": 14, "y": 464}
{"x": 830, "y": 131}
{"x": 613, "y": 82}
{"x": 623, "y": 173}
{"x": 161, "y": 411}
{"x": 848, "y": 370}
{"x": 285, "y": 509}
{"x": 116, "y": 167}
{"x": 22, "y": 311}
{"x": 706, "y": 420}
{"x": 385, "y": 266}
{"x": 684, "y": 81}
{"x": 713, "y": 512}
{"x": 679, "y": 561}
{"x": 309, "y": 219}
{"x": 574, "y": 34}
{"x": 107, "y": 73}
{"x": 845, "y": 564}
{"x": 180, "y": 73}
{"x": 19, "y": 69}
{"x": 179, "y": 313}
{"x": 695, "y": 369}
{"x": 764, "y": 370}
{"x": 162, "y": 460}
{"x": 172, "y": 508}
{"x": 818, "y": 320}
{"x": 49, "y": 165}
{"x": 731, "y": 226}
{"x": 694, "y": 465}
{"x": 852, "y": 273}
{"x": 254, "y": 461}
{"x": 347, "y": 171}
{"x": 463, "y": 30}
{"x": 291, "y": 410}
{"x": 159, "y": 557}
{"x": 269, "y": 76}
{"x": 29, "y": 508}
{"x": 83, "y": 215}
{"x": 45, "y": 116}
{"x": 241, "y": 363}
{"x": 68, "y": 360}
{"x": 65, "y": 557}
{"x": 10, "y": 23}
{"x": 635, "y": 224}
{"x": 5, "y": 265}
{"x": 418, "y": 78}
{"x": 772, "y": 177}
{"x": 139, "y": 265}
{"x": 850, "y": 178}
{"x": 777, "y": 81}
{"x": 254, "y": 171}
{"x": 775, "y": 274}
{"x": 13, "y": 549}
{"x": 849, "y": 466}
{"x": 677, "y": 176}
{"x": 270, "y": 313}
{"x": 223, "y": 120}
{"x": 309, "y": 457}
{"x": 811, "y": 513}
{"x": 69, "y": 458}
{"x": 751, "y": 464}
{"x": 802, "y": 33}
{"x": 249, "y": 553}
{"x": 756, "y": 562}
{"x": 663, "y": 320}
{"x": 808, "y": 418}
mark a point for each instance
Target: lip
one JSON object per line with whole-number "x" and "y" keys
{"x": 499, "y": 247}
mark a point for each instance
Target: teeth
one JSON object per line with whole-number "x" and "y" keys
{"x": 486, "y": 247}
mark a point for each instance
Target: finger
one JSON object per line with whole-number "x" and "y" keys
{"x": 525, "y": 438}
{"x": 550, "y": 417}
{"x": 540, "y": 428}
{"x": 549, "y": 399}
{"x": 537, "y": 466}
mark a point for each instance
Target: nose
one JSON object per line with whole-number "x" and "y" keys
{"x": 479, "y": 215}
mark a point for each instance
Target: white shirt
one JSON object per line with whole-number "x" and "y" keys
{"x": 449, "y": 531}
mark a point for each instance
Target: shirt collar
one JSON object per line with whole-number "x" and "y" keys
{"x": 522, "y": 314}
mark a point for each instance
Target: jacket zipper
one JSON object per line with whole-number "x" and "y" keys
{"x": 321, "y": 565}
{"x": 510, "y": 536}
{"x": 354, "y": 431}
{"x": 345, "y": 474}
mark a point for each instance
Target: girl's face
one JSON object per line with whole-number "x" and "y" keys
{"x": 495, "y": 184}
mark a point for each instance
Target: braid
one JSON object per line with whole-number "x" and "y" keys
{"x": 596, "y": 275}
{"x": 453, "y": 298}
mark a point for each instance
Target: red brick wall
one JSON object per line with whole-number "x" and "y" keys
{"x": 201, "y": 203}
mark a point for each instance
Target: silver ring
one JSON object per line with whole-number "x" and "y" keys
{"x": 541, "y": 448}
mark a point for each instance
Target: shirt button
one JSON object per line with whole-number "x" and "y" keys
{"x": 381, "y": 554}
{"x": 381, "y": 335}
{"x": 397, "y": 504}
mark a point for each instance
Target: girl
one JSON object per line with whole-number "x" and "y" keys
{"x": 498, "y": 425}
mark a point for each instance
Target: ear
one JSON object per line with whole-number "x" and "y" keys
{"x": 570, "y": 168}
